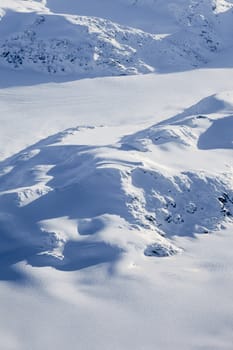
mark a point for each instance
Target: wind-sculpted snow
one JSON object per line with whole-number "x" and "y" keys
{"x": 91, "y": 46}
{"x": 60, "y": 179}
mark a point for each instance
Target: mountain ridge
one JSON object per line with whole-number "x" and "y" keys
{"x": 91, "y": 46}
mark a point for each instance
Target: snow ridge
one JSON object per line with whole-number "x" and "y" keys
{"x": 91, "y": 46}
{"x": 96, "y": 47}
{"x": 89, "y": 184}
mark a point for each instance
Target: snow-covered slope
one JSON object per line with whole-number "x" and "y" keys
{"x": 101, "y": 177}
{"x": 91, "y": 46}
{"x": 135, "y": 179}
{"x": 82, "y": 45}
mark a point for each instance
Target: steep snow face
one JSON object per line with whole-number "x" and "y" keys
{"x": 87, "y": 46}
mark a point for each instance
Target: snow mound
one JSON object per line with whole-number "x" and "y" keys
{"x": 206, "y": 125}
{"x": 163, "y": 249}
{"x": 59, "y": 179}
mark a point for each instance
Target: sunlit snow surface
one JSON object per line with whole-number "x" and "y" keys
{"x": 116, "y": 193}
{"x": 188, "y": 34}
